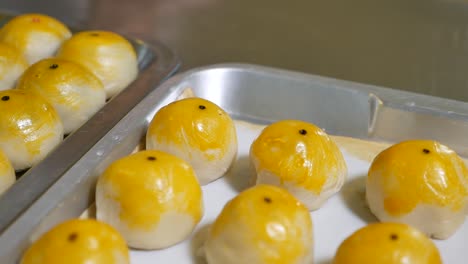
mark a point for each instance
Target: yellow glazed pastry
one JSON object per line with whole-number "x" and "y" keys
{"x": 78, "y": 241}
{"x": 387, "y": 243}
{"x": 422, "y": 183}
{"x": 36, "y": 36}
{"x": 151, "y": 197}
{"x": 74, "y": 91}
{"x": 29, "y": 127}
{"x": 7, "y": 173}
{"x": 301, "y": 158}
{"x": 107, "y": 55}
{"x": 12, "y": 65}
{"x": 262, "y": 225}
{"x": 197, "y": 131}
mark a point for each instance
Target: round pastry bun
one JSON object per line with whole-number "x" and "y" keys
{"x": 197, "y": 131}
{"x": 301, "y": 158}
{"x": 36, "y": 36}
{"x": 421, "y": 183}
{"x": 151, "y": 197}
{"x": 78, "y": 241}
{"x": 107, "y": 55}
{"x": 387, "y": 243}
{"x": 72, "y": 90}
{"x": 263, "y": 224}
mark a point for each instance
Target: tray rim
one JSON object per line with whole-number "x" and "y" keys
{"x": 392, "y": 97}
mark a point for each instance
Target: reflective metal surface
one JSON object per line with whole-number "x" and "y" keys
{"x": 419, "y": 45}
{"x": 250, "y": 93}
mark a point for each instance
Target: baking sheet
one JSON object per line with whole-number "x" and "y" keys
{"x": 343, "y": 214}
{"x": 156, "y": 62}
{"x": 355, "y": 114}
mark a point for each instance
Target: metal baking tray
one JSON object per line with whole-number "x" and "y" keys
{"x": 254, "y": 94}
{"x": 156, "y": 62}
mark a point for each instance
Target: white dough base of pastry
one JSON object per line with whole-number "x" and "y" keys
{"x": 205, "y": 170}
{"x": 434, "y": 221}
{"x": 120, "y": 258}
{"x": 173, "y": 227}
{"x": 49, "y": 44}
{"x": 73, "y": 117}
{"x": 10, "y": 76}
{"x": 216, "y": 250}
{"x": 307, "y": 197}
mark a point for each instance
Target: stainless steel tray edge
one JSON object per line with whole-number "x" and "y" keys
{"x": 390, "y": 115}
{"x": 381, "y": 112}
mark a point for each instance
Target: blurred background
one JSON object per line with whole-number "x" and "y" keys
{"x": 419, "y": 46}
